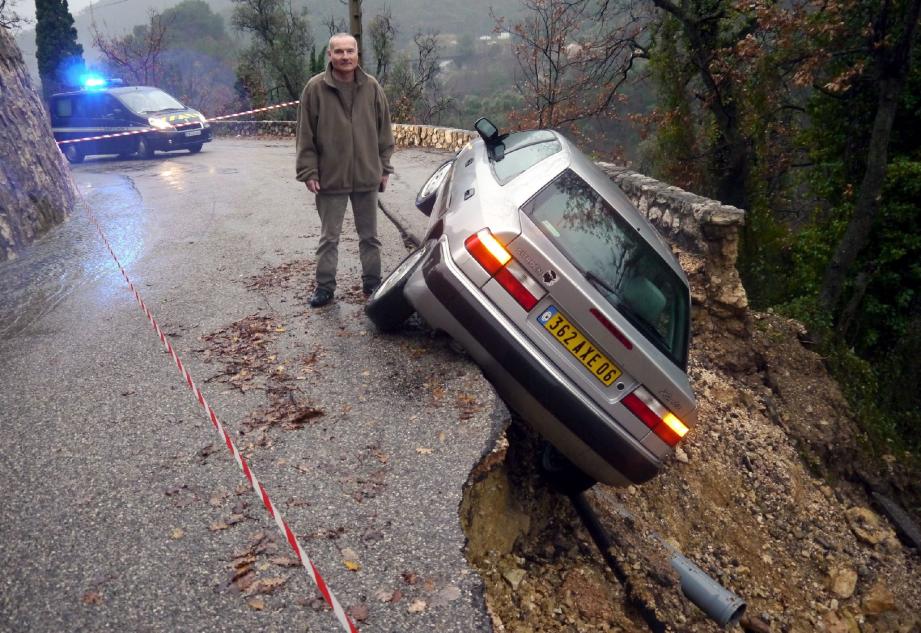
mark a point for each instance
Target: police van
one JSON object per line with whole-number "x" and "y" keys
{"x": 141, "y": 119}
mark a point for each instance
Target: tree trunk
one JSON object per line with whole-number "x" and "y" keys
{"x": 731, "y": 163}
{"x": 36, "y": 190}
{"x": 893, "y": 65}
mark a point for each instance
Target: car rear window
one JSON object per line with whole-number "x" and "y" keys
{"x": 624, "y": 268}
{"x": 524, "y": 150}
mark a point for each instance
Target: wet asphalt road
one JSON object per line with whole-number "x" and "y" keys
{"x": 122, "y": 510}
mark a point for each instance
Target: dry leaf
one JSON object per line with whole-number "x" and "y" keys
{"x": 92, "y": 597}
{"x": 176, "y": 534}
{"x": 383, "y": 595}
{"x": 417, "y": 606}
{"x": 217, "y": 526}
{"x": 351, "y": 565}
{"x": 256, "y": 604}
{"x": 424, "y": 451}
{"x": 267, "y": 585}
{"x": 285, "y": 561}
{"x": 359, "y": 612}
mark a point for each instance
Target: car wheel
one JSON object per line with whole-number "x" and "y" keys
{"x": 144, "y": 148}
{"x": 561, "y": 473}
{"x": 194, "y": 149}
{"x": 425, "y": 199}
{"x": 73, "y": 154}
{"x": 387, "y": 307}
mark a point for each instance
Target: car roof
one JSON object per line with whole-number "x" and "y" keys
{"x": 114, "y": 90}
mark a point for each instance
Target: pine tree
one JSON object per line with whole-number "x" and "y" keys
{"x": 58, "y": 52}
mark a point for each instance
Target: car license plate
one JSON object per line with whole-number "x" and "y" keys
{"x": 193, "y": 133}
{"x": 572, "y": 339}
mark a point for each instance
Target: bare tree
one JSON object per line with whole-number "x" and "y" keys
{"x": 574, "y": 56}
{"x": 383, "y": 31}
{"x": 9, "y": 19}
{"x": 414, "y": 89}
{"x": 136, "y": 56}
{"x": 281, "y": 42}
{"x": 336, "y": 25}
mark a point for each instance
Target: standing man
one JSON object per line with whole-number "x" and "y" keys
{"x": 344, "y": 144}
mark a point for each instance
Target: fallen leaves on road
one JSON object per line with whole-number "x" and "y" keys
{"x": 296, "y": 274}
{"x": 359, "y": 612}
{"x": 177, "y": 534}
{"x": 92, "y": 598}
{"x": 423, "y": 451}
{"x": 243, "y": 347}
{"x": 267, "y": 585}
{"x": 350, "y": 559}
{"x": 417, "y": 606}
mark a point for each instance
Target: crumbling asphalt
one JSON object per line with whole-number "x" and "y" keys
{"x": 122, "y": 510}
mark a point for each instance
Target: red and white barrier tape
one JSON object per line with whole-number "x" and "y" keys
{"x": 258, "y": 488}
{"x": 102, "y": 136}
{"x": 178, "y": 127}
{"x": 271, "y": 107}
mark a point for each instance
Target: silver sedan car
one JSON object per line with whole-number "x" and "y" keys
{"x": 563, "y": 293}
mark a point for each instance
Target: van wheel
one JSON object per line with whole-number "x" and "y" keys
{"x": 387, "y": 307}
{"x": 73, "y": 154}
{"x": 194, "y": 149}
{"x": 144, "y": 149}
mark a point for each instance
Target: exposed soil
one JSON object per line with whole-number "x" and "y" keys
{"x": 768, "y": 494}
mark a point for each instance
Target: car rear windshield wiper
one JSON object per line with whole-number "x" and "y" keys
{"x": 640, "y": 323}
{"x": 598, "y": 281}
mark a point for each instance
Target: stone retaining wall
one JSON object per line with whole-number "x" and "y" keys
{"x": 405, "y": 135}
{"x": 703, "y": 233}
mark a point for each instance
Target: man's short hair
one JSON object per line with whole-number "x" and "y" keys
{"x": 337, "y": 36}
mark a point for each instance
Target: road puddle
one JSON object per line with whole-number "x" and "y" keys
{"x": 72, "y": 254}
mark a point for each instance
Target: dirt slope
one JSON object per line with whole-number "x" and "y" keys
{"x": 768, "y": 495}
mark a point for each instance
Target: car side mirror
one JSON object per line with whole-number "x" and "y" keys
{"x": 490, "y": 135}
{"x": 487, "y": 130}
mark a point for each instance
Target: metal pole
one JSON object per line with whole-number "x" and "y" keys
{"x": 355, "y": 24}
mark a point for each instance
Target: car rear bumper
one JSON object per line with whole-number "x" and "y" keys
{"x": 525, "y": 377}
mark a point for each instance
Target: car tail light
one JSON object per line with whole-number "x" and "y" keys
{"x": 653, "y": 413}
{"x": 499, "y": 263}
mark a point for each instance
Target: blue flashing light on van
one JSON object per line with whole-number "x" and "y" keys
{"x": 155, "y": 121}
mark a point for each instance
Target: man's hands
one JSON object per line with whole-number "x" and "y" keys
{"x": 383, "y": 185}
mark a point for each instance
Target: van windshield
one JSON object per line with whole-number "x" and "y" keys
{"x": 149, "y": 101}
{"x": 617, "y": 261}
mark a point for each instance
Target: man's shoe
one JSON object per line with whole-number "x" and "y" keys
{"x": 369, "y": 288}
{"x": 321, "y": 296}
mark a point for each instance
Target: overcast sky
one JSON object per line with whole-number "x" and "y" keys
{"x": 26, "y": 8}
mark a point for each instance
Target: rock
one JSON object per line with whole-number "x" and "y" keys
{"x": 842, "y": 581}
{"x": 878, "y": 600}
{"x": 514, "y": 577}
{"x": 680, "y": 455}
{"x": 753, "y": 624}
{"x": 840, "y": 623}
{"x": 866, "y": 526}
